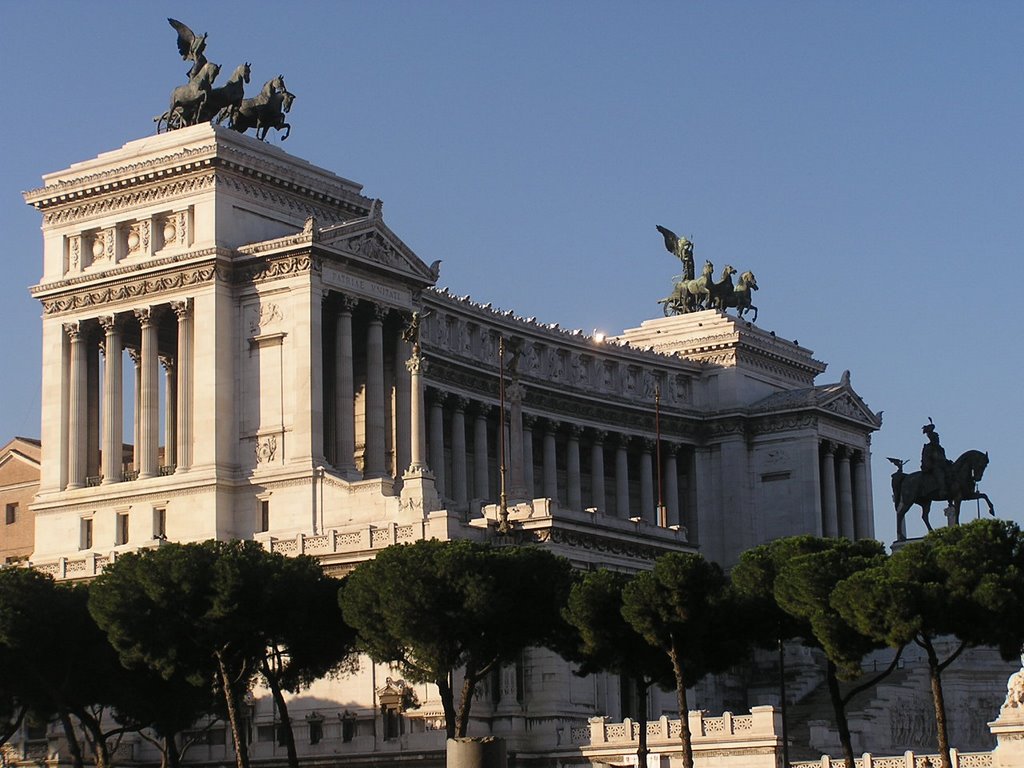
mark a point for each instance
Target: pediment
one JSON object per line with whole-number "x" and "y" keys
{"x": 848, "y": 404}
{"x": 372, "y": 242}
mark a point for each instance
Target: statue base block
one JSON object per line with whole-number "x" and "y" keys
{"x": 1009, "y": 733}
{"x": 419, "y": 494}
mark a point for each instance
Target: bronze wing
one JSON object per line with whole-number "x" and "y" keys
{"x": 186, "y": 39}
{"x": 671, "y": 239}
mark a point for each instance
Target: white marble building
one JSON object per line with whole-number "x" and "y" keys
{"x": 261, "y": 302}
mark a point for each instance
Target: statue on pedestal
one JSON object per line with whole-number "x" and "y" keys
{"x": 938, "y": 480}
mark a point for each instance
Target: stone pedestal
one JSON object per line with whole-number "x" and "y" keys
{"x": 1008, "y": 728}
{"x": 487, "y": 752}
{"x": 419, "y": 495}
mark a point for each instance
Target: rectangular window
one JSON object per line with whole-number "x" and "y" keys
{"x": 12, "y": 514}
{"x": 264, "y": 524}
{"x": 121, "y": 534}
{"x": 160, "y": 523}
{"x": 86, "y": 533}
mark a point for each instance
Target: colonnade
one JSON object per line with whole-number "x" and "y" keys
{"x": 844, "y": 491}
{"x": 549, "y": 458}
{"x": 95, "y": 455}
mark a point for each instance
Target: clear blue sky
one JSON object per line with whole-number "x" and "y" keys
{"x": 864, "y": 159}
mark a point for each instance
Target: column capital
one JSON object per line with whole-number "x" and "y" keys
{"x": 515, "y": 392}
{"x": 417, "y": 364}
{"x": 108, "y": 323}
{"x": 647, "y": 444}
{"x": 828, "y": 447}
{"x": 598, "y": 436}
{"x": 74, "y": 330}
{"x": 378, "y": 313}
{"x": 134, "y": 354}
{"x": 482, "y": 409}
{"x": 437, "y": 396}
{"x": 182, "y": 308}
{"x": 551, "y": 425}
{"x": 669, "y": 448}
{"x": 347, "y": 304}
{"x": 145, "y": 315}
{"x": 167, "y": 361}
{"x": 529, "y": 421}
{"x": 574, "y": 431}
{"x": 844, "y": 452}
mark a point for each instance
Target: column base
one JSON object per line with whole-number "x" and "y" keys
{"x": 419, "y": 494}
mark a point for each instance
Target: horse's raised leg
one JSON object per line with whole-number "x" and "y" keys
{"x": 991, "y": 509}
{"x": 287, "y": 129}
{"x": 755, "y": 313}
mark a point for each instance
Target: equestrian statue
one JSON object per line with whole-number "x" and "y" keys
{"x": 198, "y": 101}
{"x": 939, "y": 480}
{"x": 690, "y": 294}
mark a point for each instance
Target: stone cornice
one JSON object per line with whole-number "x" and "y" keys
{"x": 216, "y": 148}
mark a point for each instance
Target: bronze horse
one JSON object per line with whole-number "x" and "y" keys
{"x": 918, "y": 488}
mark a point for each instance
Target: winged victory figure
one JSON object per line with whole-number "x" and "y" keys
{"x": 190, "y": 46}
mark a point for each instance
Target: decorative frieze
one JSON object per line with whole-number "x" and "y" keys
{"x": 128, "y": 290}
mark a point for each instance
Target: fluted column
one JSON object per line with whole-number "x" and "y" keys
{"x": 416, "y": 366}
{"x": 183, "y": 432}
{"x": 845, "y": 495}
{"x": 828, "y": 490}
{"x": 436, "y": 454}
{"x": 621, "y": 478}
{"x": 647, "y": 510}
{"x": 92, "y": 390}
{"x": 481, "y": 484}
{"x": 136, "y": 357}
{"x": 170, "y": 410}
{"x": 406, "y": 428}
{"x": 77, "y": 413}
{"x": 574, "y": 491}
{"x": 345, "y": 419}
{"x": 516, "y": 474}
{"x": 863, "y": 529}
{"x": 670, "y": 478}
{"x": 550, "y": 461}
{"x": 149, "y": 394}
{"x": 113, "y": 408}
{"x": 597, "y": 498}
{"x": 373, "y": 460}
{"x": 460, "y": 484}
{"x": 528, "y": 422}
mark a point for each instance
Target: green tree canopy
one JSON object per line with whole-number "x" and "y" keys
{"x": 435, "y": 607}
{"x": 966, "y": 581}
{"x": 685, "y": 607}
{"x": 604, "y": 641}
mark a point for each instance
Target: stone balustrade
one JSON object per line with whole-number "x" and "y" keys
{"x": 908, "y": 759}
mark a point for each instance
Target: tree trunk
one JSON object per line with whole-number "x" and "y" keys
{"x": 469, "y": 682}
{"x": 839, "y": 708}
{"x": 444, "y": 690}
{"x": 782, "y": 701}
{"x": 935, "y": 674}
{"x": 684, "y": 709}
{"x": 72, "y": 739}
{"x": 241, "y": 746}
{"x": 171, "y": 756}
{"x": 282, "y": 708}
{"x": 642, "y": 687}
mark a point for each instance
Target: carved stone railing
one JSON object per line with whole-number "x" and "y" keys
{"x": 334, "y": 541}
{"x": 908, "y": 759}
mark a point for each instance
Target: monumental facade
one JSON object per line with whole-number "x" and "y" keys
{"x": 289, "y": 373}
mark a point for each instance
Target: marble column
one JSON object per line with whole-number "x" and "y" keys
{"x": 416, "y": 366}
{"x": 863, "y": 529}
{"x": 828, "y": 490}
{"x": 183, "y": 432}
{"x": 845, "y": 495}
{"x": 550, "y": 461}
{"x": 516, "y": 491}
{"x": 170, "y": 411}
{"x": 92, "y": 389}
{"x": 574, "y": 491}
{"x": 435, "y": 457}
{"x": 344, "y": 412}
{"x": 460, "y": 483}
{"x": 136, "y": 357}
{"x": 406, "y": 429}
{"x": 77, "y": 413}
{"x": 597, "y": 496}
{"x": 373, "y": 465}
{"x": 622, "y": 478}
{"x": 529, "y": 420}
{"x": 671, "y": 481}
{"x": 149, "y": 394}
{"x": 481, "y": 479}
{"x": 647, "y": 501}
{"x": 113, "y": 409}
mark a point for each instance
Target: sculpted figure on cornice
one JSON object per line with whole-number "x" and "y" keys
{"x": 690, "y": 294}
{"x": 198, "y": 101}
